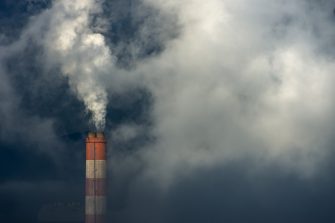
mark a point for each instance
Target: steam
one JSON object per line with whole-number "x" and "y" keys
{"x": 82, "y": 55}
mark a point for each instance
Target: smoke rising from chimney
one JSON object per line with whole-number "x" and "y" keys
{"x": 82, "y": 54}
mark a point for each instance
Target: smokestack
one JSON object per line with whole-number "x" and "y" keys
{"x": 95, "y": 200}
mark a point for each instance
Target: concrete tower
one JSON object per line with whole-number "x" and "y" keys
{"x": 95, "y": 200}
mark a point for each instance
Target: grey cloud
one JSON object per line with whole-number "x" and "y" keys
{"x": 242, "y": 80}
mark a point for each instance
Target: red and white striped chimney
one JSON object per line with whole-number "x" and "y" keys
{"x": 95, "y": 200}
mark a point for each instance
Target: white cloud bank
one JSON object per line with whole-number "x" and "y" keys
{"x": 243, "y": 79}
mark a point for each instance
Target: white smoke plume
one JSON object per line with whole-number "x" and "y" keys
{"x": 83, "y": 55}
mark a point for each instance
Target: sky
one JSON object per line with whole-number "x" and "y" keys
{"x": 214, "y": 111}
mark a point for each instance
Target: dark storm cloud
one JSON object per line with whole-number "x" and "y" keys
{"x": 234, "y": 192}
{"x": 135, "y": 30}
{"x": 14, "y": 15}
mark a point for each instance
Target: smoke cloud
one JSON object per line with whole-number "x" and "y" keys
{"x": 235, "y": 80}
{"x": 82, "y": 55}
{"x": 242, "y": 80}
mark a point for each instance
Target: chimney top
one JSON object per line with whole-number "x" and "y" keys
{"x": 100, "y": 135}
{"x": 91, "y": 135}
